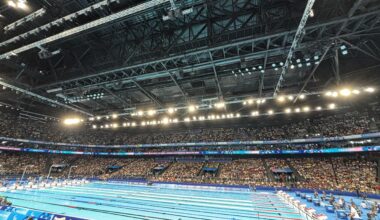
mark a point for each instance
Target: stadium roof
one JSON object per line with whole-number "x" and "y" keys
{"x": 102, "y": 56}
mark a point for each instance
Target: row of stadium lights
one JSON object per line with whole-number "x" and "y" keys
{"x": 345, "y": 92}
{"x": 213, "y": 117}
{"x": 298, "y": 63}
{"x": 87, "y": 97}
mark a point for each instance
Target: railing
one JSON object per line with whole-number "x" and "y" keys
{"x": 358, "y": 149}
{"x": 201, "y": 144}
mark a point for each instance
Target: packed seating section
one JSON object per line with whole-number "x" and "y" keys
{"x": 337, "y": 173}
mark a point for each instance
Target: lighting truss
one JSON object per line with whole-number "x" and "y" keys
{"x": 28, "y": 18}
{"x": 79, "y": 29}
{"x": 57, "y": 22}
{"x": 42, "y": 98}
{"x": 297, "y": 39}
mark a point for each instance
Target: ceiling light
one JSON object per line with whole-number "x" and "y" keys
{"x": 140, "y": 113}
{"x": 12, "y": 4}
{"x": 319, "y": 108}
{"x": 332, "y": 106}
{"x": 306, "y": 109}
{"x": 94, "y": 126}
{"x": 171, "y": 110}
{"x": 290, "y": 97}
{"x": 311, "y": 13}
{"x": 297, "y": 110}
{"x": 255, "y": 113}
{"x": 292, "y": 66}
{"x": 143, "y": 123}
{"x": 237, "y": 115}
{"x": 71, "y": 121}
{"x": 288, "y": 110}
{"x": 151, "y": 112}
{"x": 281, "y": 99}
{"x": 220, "y": 105}
{"x": 302, "y": 96}
{"x": 165, "y": 121}
{"x": 124, "y": 124}
{"x": 192, "y": 108}
{"x": 356, "y": 92}
{"x": 345, "y": 92}
{"x": 91, "y": 119}
{"x": 114, "y": 116}
{"x": 270, "y": 112}
{"x": 250, "y": 101}
{"x": 22, "y": 5}
{"x": 370, "y": 90}
{"x": 133, "y": 124}
{"x": 115, "y": 125}
{"x": 187, "y": 119}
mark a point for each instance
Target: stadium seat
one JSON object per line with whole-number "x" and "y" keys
{"x": 341, "y": 214}
{"x": 317, "y": 202}
{"x": 34, "y": 213}
{"x": 5, "y": 214}
{"x": 309, "y": 198}
{"x": 330, "y": 208}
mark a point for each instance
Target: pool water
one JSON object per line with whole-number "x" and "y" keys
{"x": 114, "y": 201}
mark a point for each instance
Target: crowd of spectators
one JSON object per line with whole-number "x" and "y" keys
{"x": 317, "y": 173}
{"x": 334, "y": 125}
{"x": 337, "y": 173}
{"x": 353, "y": 174}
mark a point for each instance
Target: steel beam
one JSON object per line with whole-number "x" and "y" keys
{"x": 42, "y": 98}
{"x": 326, "y": 50}
{"x": 220, "y": 93}
{"x": 80, "y": 29}
{"x": 178, "y": 86}
{"x": 145, "y": 70}
{"x": 148, "y": 94}
{"x": 297, "y": 39}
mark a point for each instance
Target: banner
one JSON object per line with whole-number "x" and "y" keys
{"x": 230, "y": 152}
{"x": 201, "y": 144}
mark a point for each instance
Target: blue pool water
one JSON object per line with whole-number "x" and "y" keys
{"x": 116, "y": 201}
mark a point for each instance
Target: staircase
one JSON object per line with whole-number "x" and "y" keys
{"x": 200, "y": 173}
{"x": 295, "y": 172}
{"x": 333, "y": 168}
{"x": 269, "y": 173}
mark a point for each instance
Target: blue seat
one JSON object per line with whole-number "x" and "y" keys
{"x": 21, "y": 211}
{"x": 34, "y": 213}
{"x": 46, "y": 216}
{"x": 298, "y": 193}
{"x": 17, "y": 216}
{"x": 317, "y": 202}
{"x": 330, "y": 208}
{"x": 341, "y": 214}
{"x": 4, "y": 215}
{"x": 303, "y": 196}
{"x": 309, "y": 198}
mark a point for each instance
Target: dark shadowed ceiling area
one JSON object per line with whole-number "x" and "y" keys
{"x": 98, "y": 57}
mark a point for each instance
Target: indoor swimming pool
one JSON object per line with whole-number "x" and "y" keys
{"x": 100, "y": 200}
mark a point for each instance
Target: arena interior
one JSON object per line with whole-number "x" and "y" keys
{"x": 189, "y": 109}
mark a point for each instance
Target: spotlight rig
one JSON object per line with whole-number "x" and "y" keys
{"x": 176, "y": 12}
